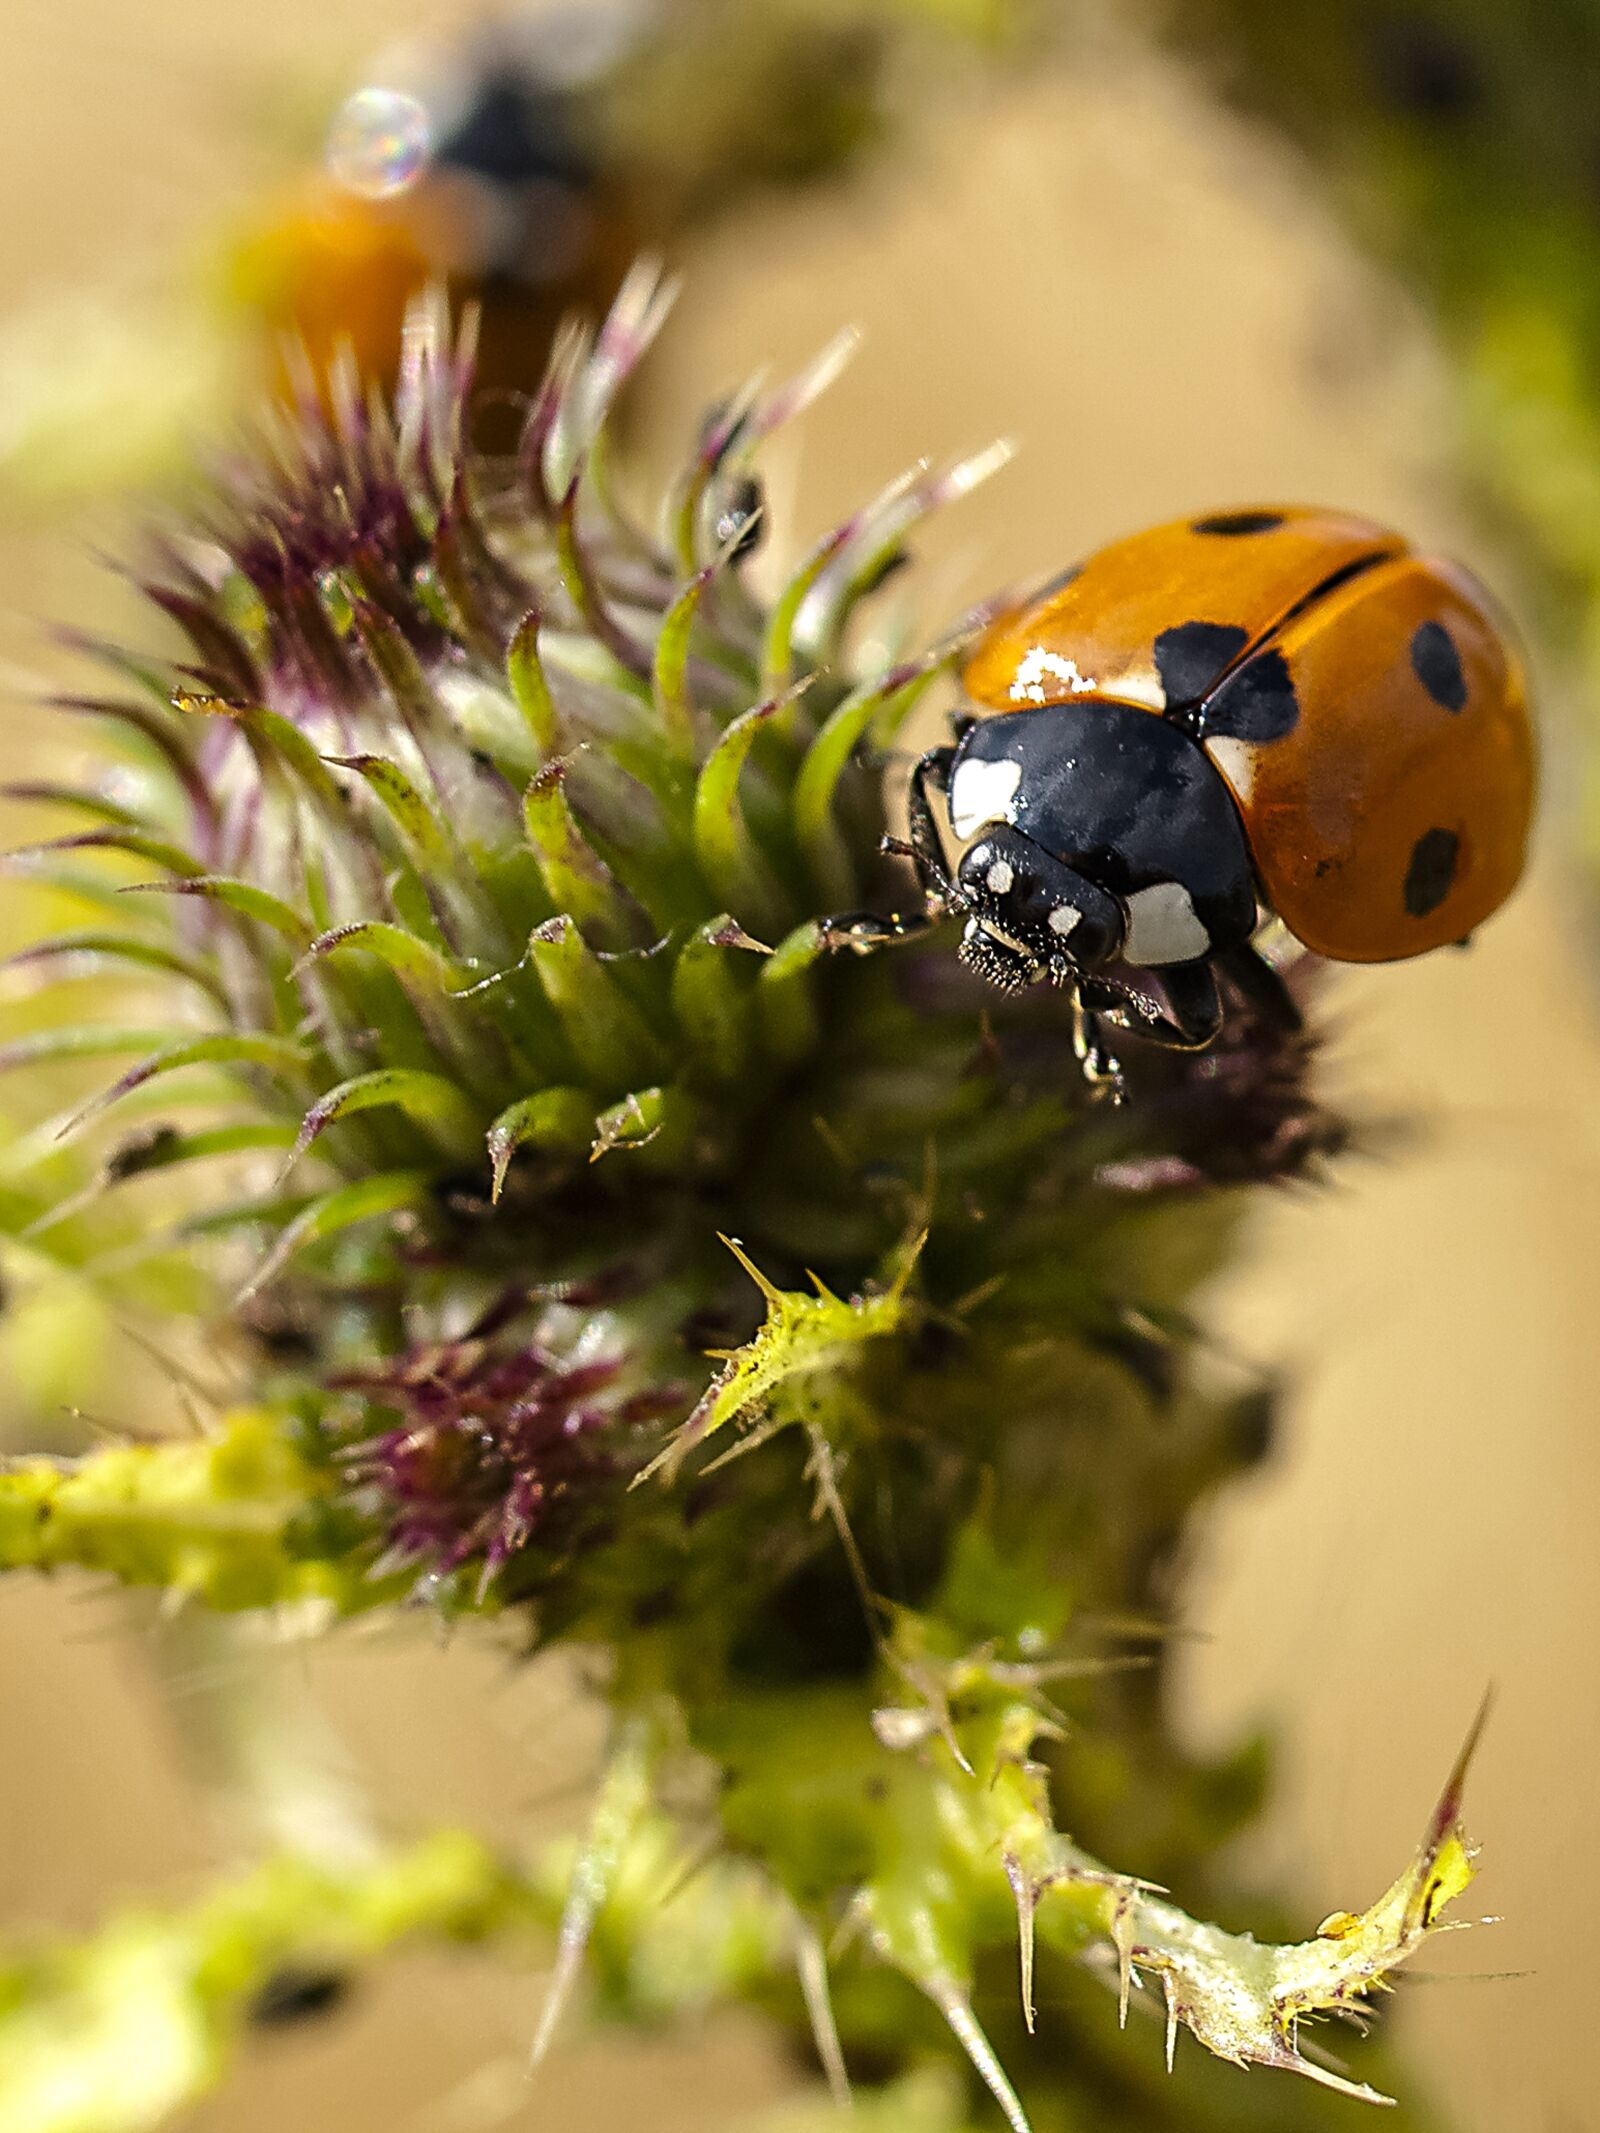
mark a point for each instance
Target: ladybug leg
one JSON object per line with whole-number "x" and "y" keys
{"x": 927, "y": 846}
{"x": 865, "y": 930}
{"x": 1260, "y": 988}
{"x": 1101, "y": 1069}
{"x": 1194, "y": 1006}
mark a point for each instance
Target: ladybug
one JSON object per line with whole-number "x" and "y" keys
{"x": 1270, "y": 711}
{"x": 493, "y": 179}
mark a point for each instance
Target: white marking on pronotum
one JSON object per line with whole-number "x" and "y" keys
{"x": 1163, "y": 926}
{"x": 1040, "y": 673}
{"x": 999, "y": 878}
{"x": 982, "y": 792}
{"x": 1064, "y": 917}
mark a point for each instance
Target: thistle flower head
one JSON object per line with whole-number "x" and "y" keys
{"x": 496, "y": 1445}
{"x": 496, "y": 839}
{"x": 493, "y": 838}
{"x": 1242, "y": 1112}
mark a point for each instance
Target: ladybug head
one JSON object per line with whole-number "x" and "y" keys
{"x": 1028, "y": 915}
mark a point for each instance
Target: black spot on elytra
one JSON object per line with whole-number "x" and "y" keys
{"x": 1437, "y": 665}
{"x": 1191, "y": 655}
{"x": 1237, "y": 522}
{"x": 1432, "y": 872}
{"x": 1256, "y": 704}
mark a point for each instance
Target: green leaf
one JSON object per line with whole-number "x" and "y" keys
{"x": 618, "y": 1819}
{"x": 276, "y": 742}
{"x": 557, "y": 1121}
{"x": 712, "y": 981}
{"x": 579, "y": 881}
{"x": 585, "y": 592}
{"x": 669, "y": 672}
{"x": 154, "y": 679}
{"x": 278, "y": 1056}
{"x": 244, "y": 898}
{"x": 882, "y": 531}
{"x": 786, "y": 994}
{"x": 137, "y": 844}
{"x": 614, "y": 1044}
{"x": 435, "y": 601}
{"x": 403, "y": 952}
{"x": 428, "y": 1098}
{"x": 417, "y": 820}
{"x": 269, "y": 731}
{"x": 398, "y": 666}
{"x": 94, "y": 946}
{"x": 822, "y": 842}
{"x": 732, "y": 861}
{"x": 777, "y": 646}
{"x": 638, "y": 832}
{"x": 468, "y": 569}
{"x": 530, "y": 689}
{"x": 159, "y": 730}
{"x": 265, "y": 1210}
{"x": 50, "y": 792}
{"x": 797, "y": 1367}
{"x": 632, "y": 746}
{"x": 162, "y": 1148}
{"x": 83, "y": 884}
{"x": 166, "y": 1148}
{"x": 331, "y": 1213}
{"x": 40, "y": 1047}
{"x": 659, "y": 1119}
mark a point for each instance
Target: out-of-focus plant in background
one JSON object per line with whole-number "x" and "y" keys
{"x": 520, "y": 162}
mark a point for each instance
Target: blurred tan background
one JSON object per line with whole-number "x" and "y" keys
{"x": 1154, "y": 304}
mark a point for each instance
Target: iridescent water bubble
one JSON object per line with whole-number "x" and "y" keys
{"x": 379, "y": 142}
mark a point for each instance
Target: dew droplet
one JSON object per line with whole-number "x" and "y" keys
{"x": 378, "y": 142}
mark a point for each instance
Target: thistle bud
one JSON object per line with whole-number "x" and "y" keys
{"x": 792, "y": 1326}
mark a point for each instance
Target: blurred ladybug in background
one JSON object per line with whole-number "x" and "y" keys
{"x": 1259, "y": 712}
{"x": 480, "y": 168}
{"x": 525, "y": 166}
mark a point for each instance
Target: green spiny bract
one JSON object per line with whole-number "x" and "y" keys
{"x": 496, "y": 839}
